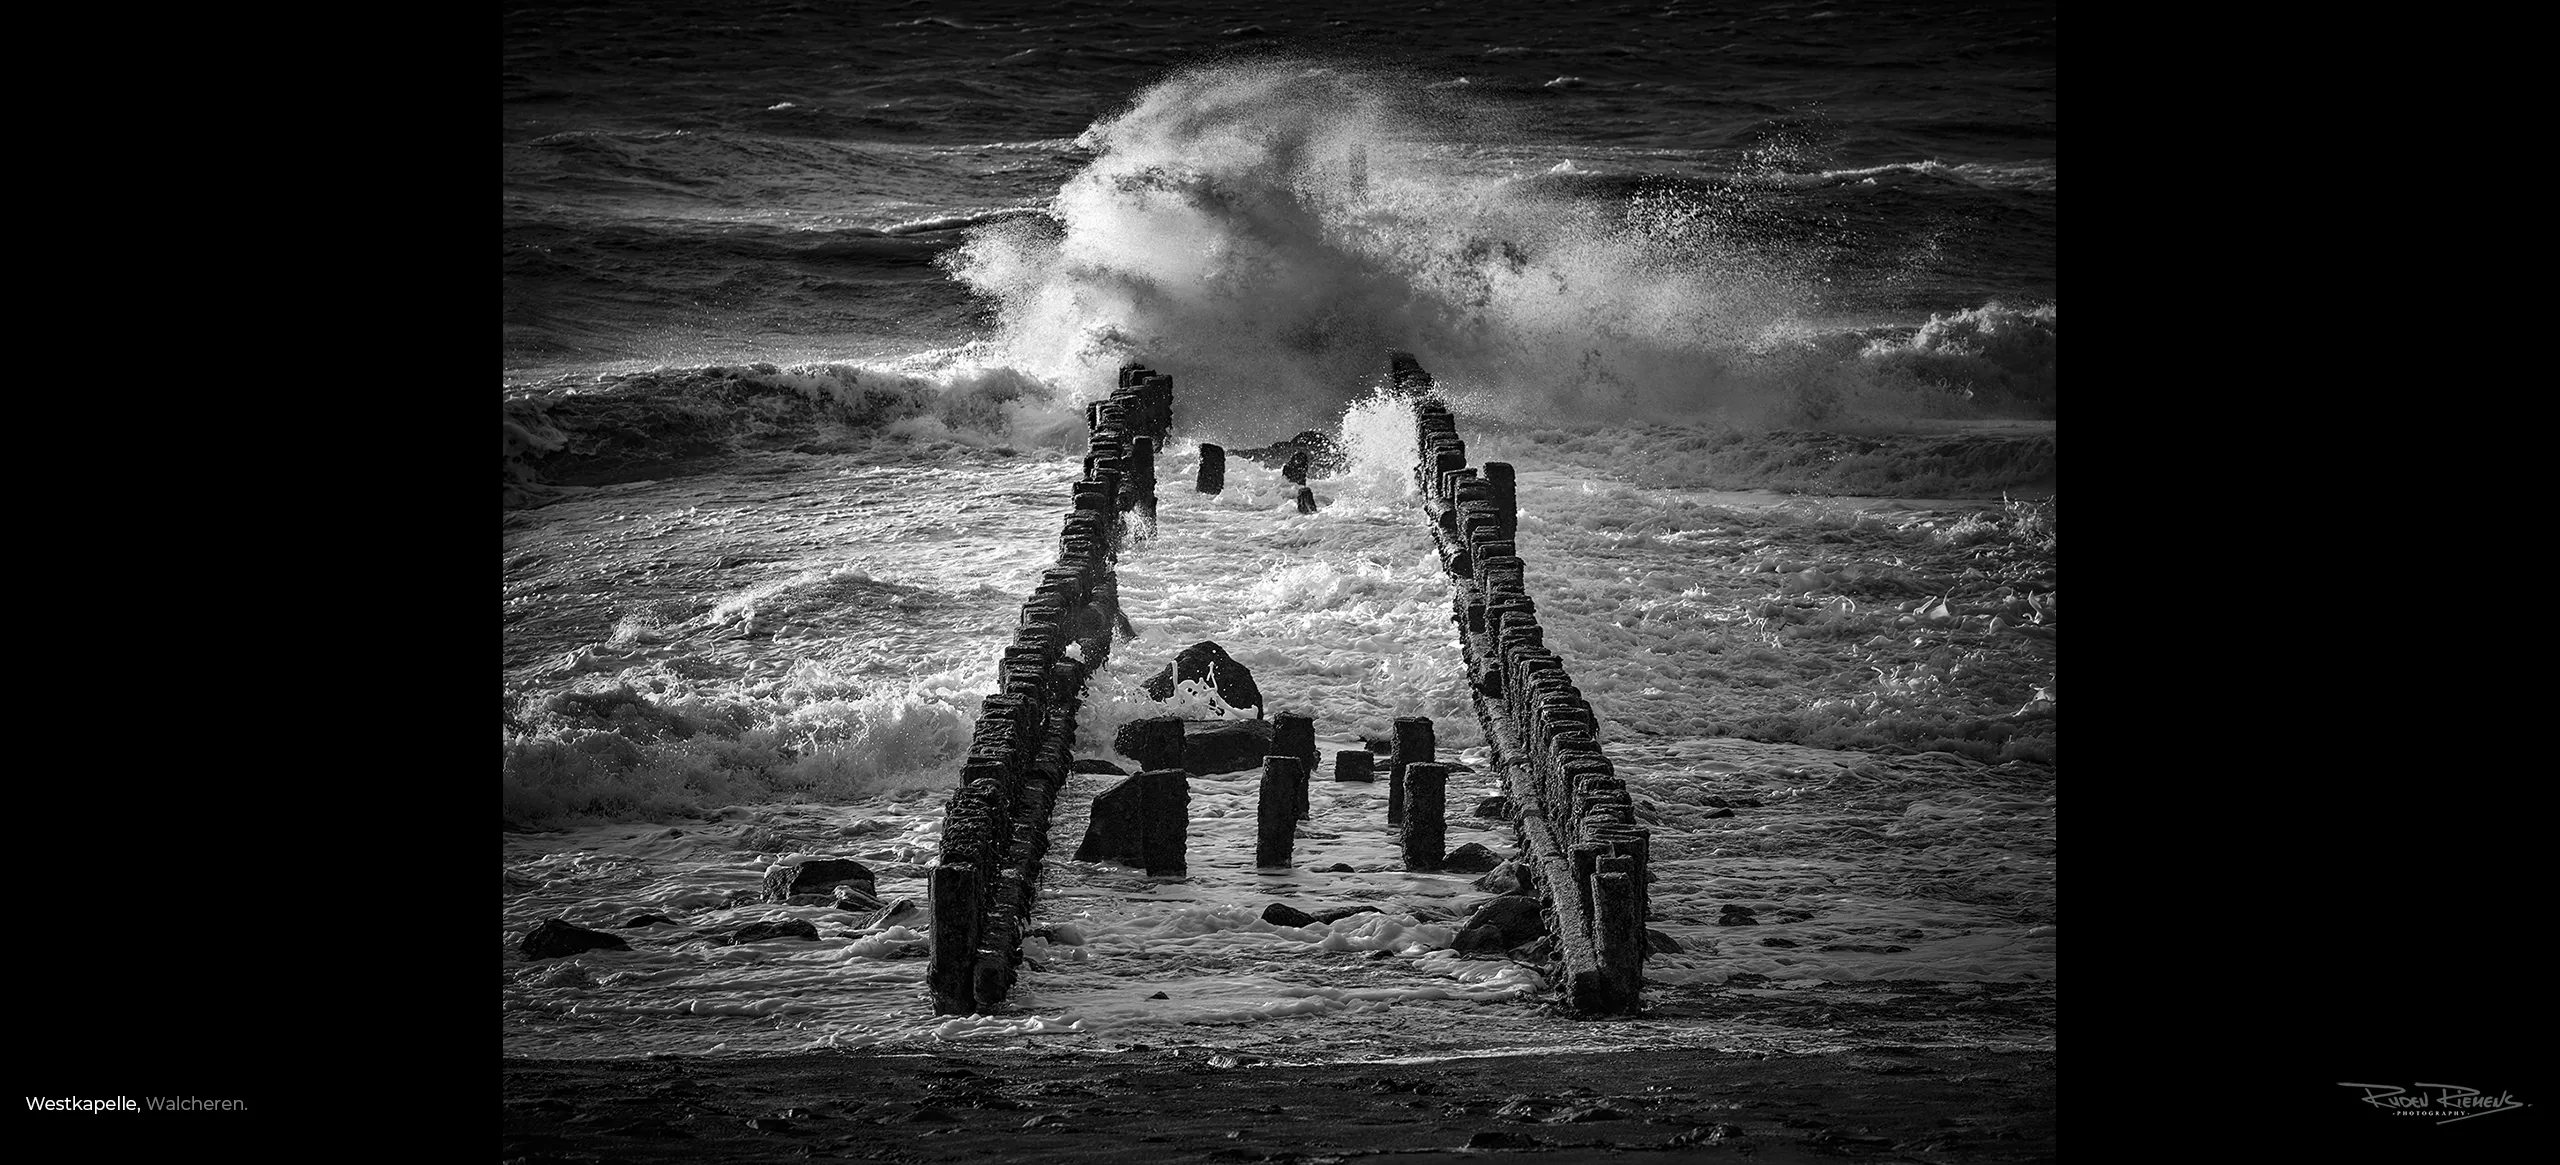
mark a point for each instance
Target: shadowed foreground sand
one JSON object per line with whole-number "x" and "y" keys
{"x": 1883, "y": 1102}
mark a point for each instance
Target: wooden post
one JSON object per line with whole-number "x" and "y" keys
{"x": 1426, "y": 826}
{"x": 1413, "y": 743}
{"x": 1404, "y": 374}
{"x": 1618, "y": 937}
{"x": 1293, "y": 734}
{"x": 956, "y": 914}
{"x": 1159, "y": 388}
{"x": 1276, "y": 819}
{"x": 1353, "y": 764}
{"x": 1213, "y": 469}
{"x": 1159, "y": 743}
{"x": 1506, "y": 497}
{"x": 995, "y": 977}
{"x": 1166, "y": 796}
{"x": 1137, "y": 474}
{"x": 1306, "y": 500}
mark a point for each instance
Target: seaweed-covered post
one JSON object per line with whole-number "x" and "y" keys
{"x": 1426, "y": 827}
{"x": 1213, "y": 469}
{"x": 1276, "y": 819}
{"x": 1353, "y": 764}
{"x": 1413, "y": 743}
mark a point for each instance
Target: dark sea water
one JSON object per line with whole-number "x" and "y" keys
{"x": 1556, "y": 193}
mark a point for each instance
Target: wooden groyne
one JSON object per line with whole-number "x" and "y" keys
{"x": 996, "y": 824}
{"x": 1583, "y": 847}
{"x": 1583, "y": 850}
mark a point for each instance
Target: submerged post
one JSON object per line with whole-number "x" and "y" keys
{"x": 1353, "y": 764}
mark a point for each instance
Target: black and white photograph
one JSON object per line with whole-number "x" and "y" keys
{"x": 1305, "y": 583}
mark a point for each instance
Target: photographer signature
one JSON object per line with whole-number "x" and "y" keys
{"x": 2453, "y": 1102}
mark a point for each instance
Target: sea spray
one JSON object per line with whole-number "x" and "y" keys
{"x": 1265, "y": 231}
{"x": 1377, "y": 450}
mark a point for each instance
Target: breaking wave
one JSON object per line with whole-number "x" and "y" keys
{"x": 629, "y": 426}
{"x": 1264, "y": 231}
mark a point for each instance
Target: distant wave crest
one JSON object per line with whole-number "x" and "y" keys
{"x": 632, "y": 426}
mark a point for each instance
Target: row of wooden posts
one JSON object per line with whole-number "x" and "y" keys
{"x": 1571, "y": 809}
{"x": 1417, "y": 800}
{"x": 996, "y": 824}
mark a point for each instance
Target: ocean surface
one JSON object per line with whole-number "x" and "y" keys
{"x": 800, "y": 304}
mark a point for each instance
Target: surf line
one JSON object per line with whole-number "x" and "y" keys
{"x": 1569, "y": 807}
{"x": 996, "y": 824}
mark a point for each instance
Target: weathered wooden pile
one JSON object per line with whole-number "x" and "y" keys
{"x": 1572, "y": 812}
{"x": 996, "y": 824}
